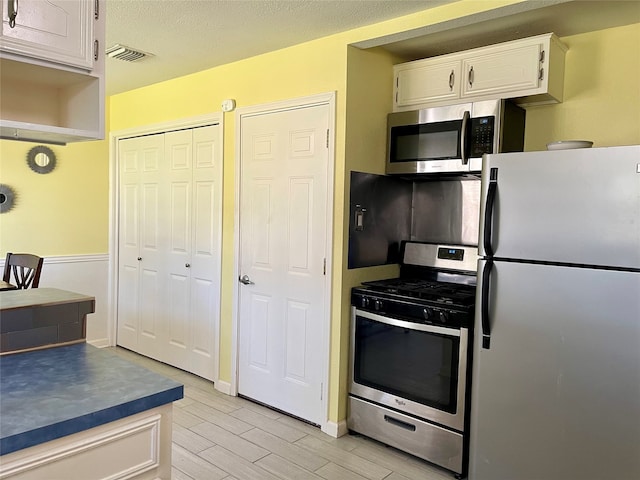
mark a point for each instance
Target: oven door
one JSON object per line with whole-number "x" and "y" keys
{"x": 412, "y": 367}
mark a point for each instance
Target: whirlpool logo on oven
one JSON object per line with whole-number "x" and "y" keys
{"x": 400, "y": 402}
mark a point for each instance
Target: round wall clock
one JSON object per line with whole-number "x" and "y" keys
{"x": 41, "y": 159}
{"x": 7, "y": 197}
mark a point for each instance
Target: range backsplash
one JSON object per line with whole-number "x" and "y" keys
{"x": 385, "y": 210}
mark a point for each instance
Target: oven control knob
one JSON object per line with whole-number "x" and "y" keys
{"x": 427, "y": 313}
{"x": 377, "y": 304}
{"x": 364, "y": 303}
{"x": 444, "y": 317}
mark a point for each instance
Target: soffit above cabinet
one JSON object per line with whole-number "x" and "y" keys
{"x": 512, "y": 22}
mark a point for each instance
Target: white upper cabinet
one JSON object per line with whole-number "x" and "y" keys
{"x": 55, "y": 30}
{"x": 431, "y": 81}
{"x": 530, "y": 70}
{"x": 52, "y": 70}
{"x": 503, "y": 70}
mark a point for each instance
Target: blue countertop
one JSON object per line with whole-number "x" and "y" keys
{"x": 48, "y": 394}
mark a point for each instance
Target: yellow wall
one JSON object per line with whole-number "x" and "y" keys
{"x": 601, "y": 93}
{"x": 602, "y": 103}
{"x": 64, "y": 212}
{"x": 307, "y": 69}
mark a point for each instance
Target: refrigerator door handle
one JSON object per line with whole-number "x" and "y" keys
{"x": 484, "y": 311}
{"x": 488, "y": 211}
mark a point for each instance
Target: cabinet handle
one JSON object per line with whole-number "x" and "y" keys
{"x": 452, "y": 79}
{"x": 139, "y": 258}
{"x": 471, "y": 77}
{"x": 12, "y": 7}
{"x": 96, "y": 49}
{"x": 188, "y": 265}
{"x": 96, "y": 10}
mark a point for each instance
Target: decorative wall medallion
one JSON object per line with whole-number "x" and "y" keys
{"x": 41, "y": 159}
{"x": 7, "y": 198}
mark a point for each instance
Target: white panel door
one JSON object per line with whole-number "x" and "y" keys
{"x": 169, "y": 247}
{"x": 178, "y": 149}
{"x": 283, "y": 218}
{"x": 140, "y": 259}
{"x": 206, "y": 247}
{"x": 193, "y": 279}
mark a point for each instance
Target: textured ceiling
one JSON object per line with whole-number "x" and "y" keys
{"x": 186, "y": 36}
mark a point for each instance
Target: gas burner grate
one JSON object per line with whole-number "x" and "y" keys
{"x": 434, "y": 291}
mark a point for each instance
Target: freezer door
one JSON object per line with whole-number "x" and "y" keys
{"x": 556, "y": 396}
{"x": 573, "y": 206}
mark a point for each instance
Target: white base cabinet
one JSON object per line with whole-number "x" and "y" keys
{"x": 52, "y": 70}
{"x": 530, "y": 70}
{"x": 136, "y": 447}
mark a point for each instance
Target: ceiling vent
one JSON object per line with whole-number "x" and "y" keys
{"x": 128, "y": 54}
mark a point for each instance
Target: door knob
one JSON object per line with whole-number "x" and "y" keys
{"x": 245, "y": 280}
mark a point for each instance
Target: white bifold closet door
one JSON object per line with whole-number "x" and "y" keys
{"x": 169, "y": 247}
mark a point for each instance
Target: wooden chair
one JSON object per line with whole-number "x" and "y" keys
{"x": 26, "y": 270}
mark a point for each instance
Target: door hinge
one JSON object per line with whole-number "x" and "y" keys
{"x": 324, "y": 266}
{"x": 327, "y": 138}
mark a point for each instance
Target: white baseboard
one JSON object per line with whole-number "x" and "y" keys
{"x": 99, "y": 342}
{"x": 335, "y": 429}
{"x": 223, "y": 387}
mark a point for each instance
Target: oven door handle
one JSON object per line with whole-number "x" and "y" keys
{"x": 451, "y": 332}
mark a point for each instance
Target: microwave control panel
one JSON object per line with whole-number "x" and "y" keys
{"x": 482, "y": 135}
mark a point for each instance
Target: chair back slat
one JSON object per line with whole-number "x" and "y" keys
{"x": 26, "y": 269}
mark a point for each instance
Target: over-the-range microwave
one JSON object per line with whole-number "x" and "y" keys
{"x": 452, "y": 139}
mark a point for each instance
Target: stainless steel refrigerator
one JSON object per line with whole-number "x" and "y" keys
{"x": 556, "y": 377}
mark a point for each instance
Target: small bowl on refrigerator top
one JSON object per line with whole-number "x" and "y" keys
{"x": 569, "y": 144}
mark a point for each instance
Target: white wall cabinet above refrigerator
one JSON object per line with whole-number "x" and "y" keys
{"x": 530, "y": 70}
{"x": 52, "y": 70}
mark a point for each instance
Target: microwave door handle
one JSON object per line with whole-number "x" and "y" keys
{"x": 464, "y": 137}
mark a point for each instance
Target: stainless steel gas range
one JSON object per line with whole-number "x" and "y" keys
{"x": 411, "y": 354}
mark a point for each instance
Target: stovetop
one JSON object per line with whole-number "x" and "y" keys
{"x": 436, "y": 286}
{"x": 459, "y": 295}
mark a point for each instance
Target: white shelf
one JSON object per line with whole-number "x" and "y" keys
{"x": 51, "y": 105}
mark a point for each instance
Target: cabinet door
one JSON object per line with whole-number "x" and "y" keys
{"x": 427, "y": 82}
{"x": 59, "y": 31}
{"x": 501, "y": 70}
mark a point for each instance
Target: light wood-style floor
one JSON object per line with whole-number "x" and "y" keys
{"x": 216, "y": 436}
